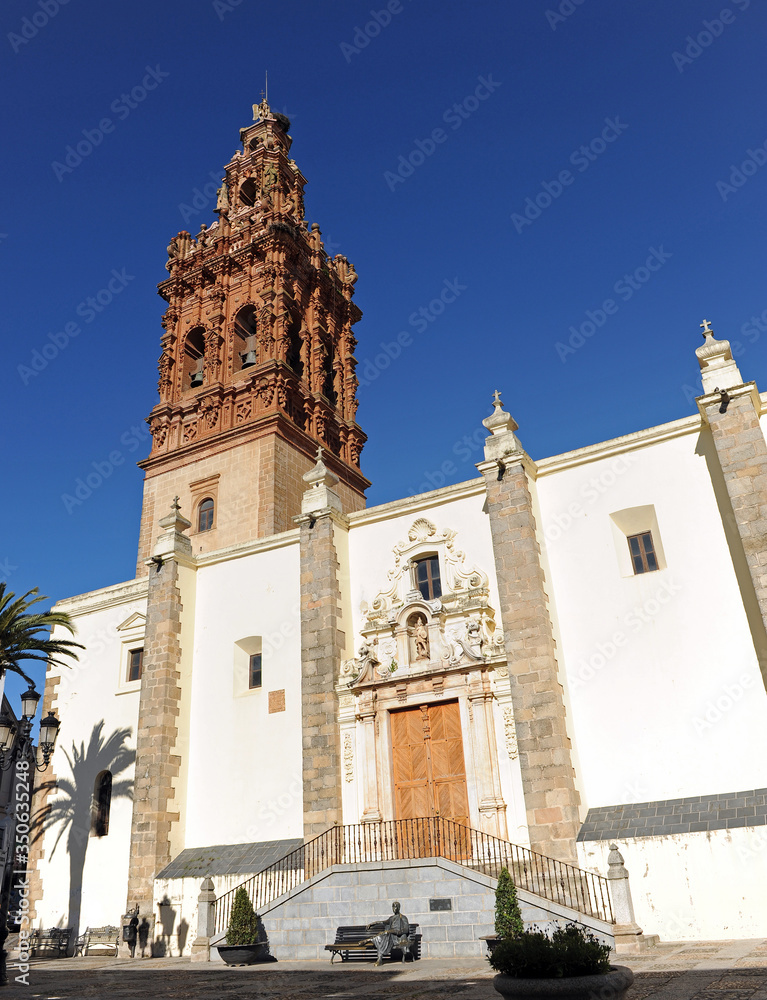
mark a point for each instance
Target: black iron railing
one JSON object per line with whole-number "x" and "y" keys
{"x": 400, "y": 839}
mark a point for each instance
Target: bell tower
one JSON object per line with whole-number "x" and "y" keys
{"x": 257, "y": 363}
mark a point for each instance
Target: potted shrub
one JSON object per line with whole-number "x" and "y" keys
{"x": 246, "y": 940}
{"x": 570, "y": 965}
{"x": 508, "y": 918}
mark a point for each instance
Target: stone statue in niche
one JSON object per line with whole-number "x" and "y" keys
{"x": 419, "y": 634}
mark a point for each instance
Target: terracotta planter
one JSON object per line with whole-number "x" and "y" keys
{"x": 244, "y": 954}
{"x": 606, "y": 986}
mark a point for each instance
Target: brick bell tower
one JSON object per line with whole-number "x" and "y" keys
{"x": 257, "y": 363}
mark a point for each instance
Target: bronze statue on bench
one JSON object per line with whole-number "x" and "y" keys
{"x": 392, "y": 933}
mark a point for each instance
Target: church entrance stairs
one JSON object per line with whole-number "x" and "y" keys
{"x": 443, "y": 873}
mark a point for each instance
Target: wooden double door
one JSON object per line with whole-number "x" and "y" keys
{"x": 428, "y": 764}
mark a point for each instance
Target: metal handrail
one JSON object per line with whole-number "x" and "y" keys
{"x": 401, "y": 839}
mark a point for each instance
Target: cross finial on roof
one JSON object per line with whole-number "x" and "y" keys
{"x": 497, "y": 398}
{"x": 706, "y": 326}
{"x": 176, "y": 505}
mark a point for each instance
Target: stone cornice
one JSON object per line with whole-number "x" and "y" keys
{"x": 107, "y": 597}
{"x": 619, "y": 445}
{"x": 422, "y": 501}
{"x": 736, "y": 392}
{"x": 336, "y": 516}
{"x": 278, "y": 541}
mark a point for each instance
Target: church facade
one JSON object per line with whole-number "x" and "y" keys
{"x": 561, "y": 652}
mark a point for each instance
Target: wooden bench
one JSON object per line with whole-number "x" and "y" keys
{"x": 99, "y": 941}
{"x": 50, "y": 943}
{"x": 349, "y": 943}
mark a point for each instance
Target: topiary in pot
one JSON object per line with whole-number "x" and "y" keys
{"x": 246, "y": 940}
{"x": 570, "y": 965}
{"x": 243, "y": 923}
{"x": 508, "y": 919}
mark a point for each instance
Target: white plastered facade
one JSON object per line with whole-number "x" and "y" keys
{"x": 662, "y": 685}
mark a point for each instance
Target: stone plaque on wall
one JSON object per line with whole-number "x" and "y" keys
{"x": 277, "y": 701}
{"x": 440, "y": 904}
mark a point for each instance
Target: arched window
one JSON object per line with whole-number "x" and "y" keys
{"x": 194, "y": 359}
{"x": 205, "y": 515}
{"x": 426, "y": 577}
{"x": 245, "y": 345}
{"x": 328, "y": 383}
{"x": 248, "y": 192}
{"x": 294, "y": 348}
{"x": 102, "y": 800}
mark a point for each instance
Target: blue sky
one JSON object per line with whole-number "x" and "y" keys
{"x": 543, "y": 198}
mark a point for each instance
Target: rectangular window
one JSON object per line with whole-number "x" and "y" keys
{"x": 254, "y": 677}
{"x": 427, "y": 577}
{"x": 135, "y": 664}
{"x": 642, "y": 552}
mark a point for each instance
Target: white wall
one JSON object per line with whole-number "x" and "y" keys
{"x": 663, "y": 679}
{"x": 245, "y": 763}
{"x": 90, "y": 692}
{"x": 694, "y": 886}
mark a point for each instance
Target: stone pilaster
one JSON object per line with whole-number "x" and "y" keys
{"x": 548, "y": 780}
{"x": 322, "y": 648}
{"x": 157, "y": 759}
{"x": 371, "y": 812}
{"x": 732, "y": 410}
{"x": 492, "y": 807}
{"x": 323, "y": 643}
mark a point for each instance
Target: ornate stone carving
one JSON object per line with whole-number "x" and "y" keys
{"x": 243, "y": 411}
{"x": 348, "y": 757}
{"x": 165, "y": 381}
{"x": 353, "y": 671}
{"x": 462, "y": 582}
{"x": 510, "y": 733}
{"x": 265, "y": 390}
{"x": 209, "y": 413}
{"x": 189, "y": 432}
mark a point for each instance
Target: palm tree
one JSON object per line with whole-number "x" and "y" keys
{"x": 73, "y": 807}
{"x": 19, "y": 628}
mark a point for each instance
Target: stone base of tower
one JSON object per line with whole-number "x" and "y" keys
{"x": 256, "y": 484}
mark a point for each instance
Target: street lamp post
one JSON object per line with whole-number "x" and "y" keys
{"x": 19, "y": 752}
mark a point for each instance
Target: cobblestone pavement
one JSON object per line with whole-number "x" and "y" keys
{"x": 701, "y": 970}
